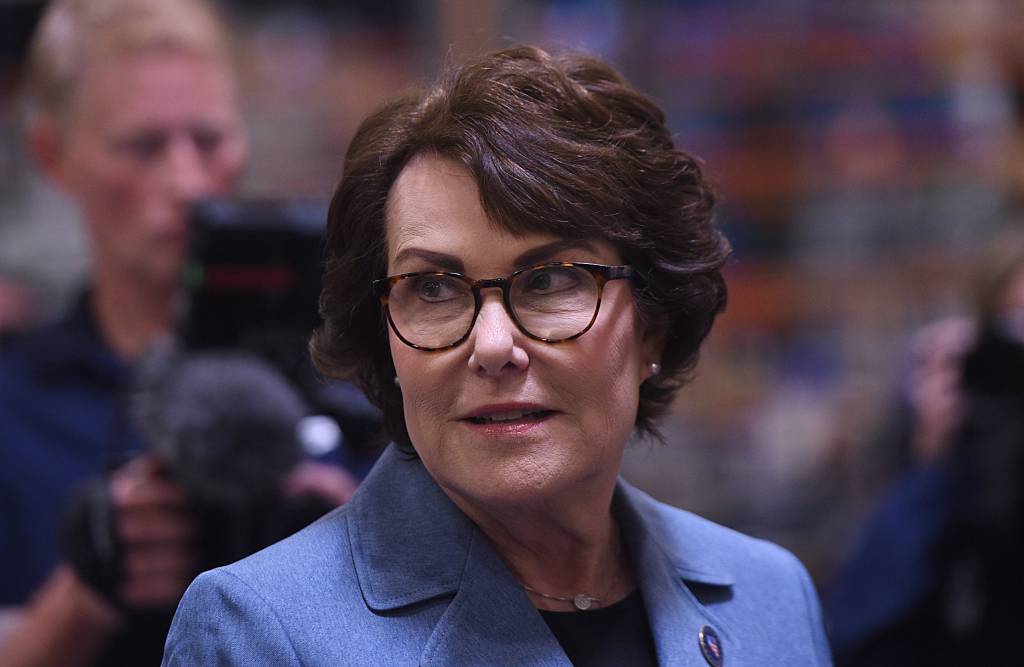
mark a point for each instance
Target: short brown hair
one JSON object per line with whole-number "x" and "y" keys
{"x": 559, "y": 144}
{"x": 73, "y": 32}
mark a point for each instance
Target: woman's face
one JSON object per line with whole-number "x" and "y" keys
{"x": 503, "y": 418}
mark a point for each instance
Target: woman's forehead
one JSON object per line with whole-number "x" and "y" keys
{"x": 420, "y": 248}
{"x": 429, "y": 191}
{"x": 434, "y": 208}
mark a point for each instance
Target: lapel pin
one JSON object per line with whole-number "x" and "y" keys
{"x": 711, "y": 646}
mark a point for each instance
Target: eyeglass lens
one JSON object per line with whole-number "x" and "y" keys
{"x": 551, "y": 302}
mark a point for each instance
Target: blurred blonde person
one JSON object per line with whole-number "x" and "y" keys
{"x": 133, "y": 115}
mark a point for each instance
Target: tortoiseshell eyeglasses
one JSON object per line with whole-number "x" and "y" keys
{"x": 554, "y": 302}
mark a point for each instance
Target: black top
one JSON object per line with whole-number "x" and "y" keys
{"x": 618, "y": 634}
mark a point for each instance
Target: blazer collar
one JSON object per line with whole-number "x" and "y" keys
{"x": 675, "y": 564}
{"x": 410, "y": 543}
{"x": 645, "y": 521}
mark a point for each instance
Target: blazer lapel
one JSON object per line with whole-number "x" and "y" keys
{"x": 491, "y": 621}
{"x": 410, "y": 543}
{"x": 666, "y": 579}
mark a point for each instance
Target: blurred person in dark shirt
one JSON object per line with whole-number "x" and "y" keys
{"x": 133, "y": 115}
{"x": 935, "y": 577}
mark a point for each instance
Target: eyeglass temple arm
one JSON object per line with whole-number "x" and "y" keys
{"x": 617, "y": 272}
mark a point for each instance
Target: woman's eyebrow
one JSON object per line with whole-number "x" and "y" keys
{"x": 548, "y": 250}
{"x": 441, "y": 260}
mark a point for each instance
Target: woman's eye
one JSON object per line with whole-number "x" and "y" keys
{"x": 430, "y": 288}
{"x": 540, "y": 281}
{"x": 553, "y": 279}
{"x": 434, "y": 289}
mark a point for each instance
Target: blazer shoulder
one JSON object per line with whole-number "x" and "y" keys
{"x": 275, "y": 606}
{"x": 303, "y": 565}
{"x": 223, "y": 620}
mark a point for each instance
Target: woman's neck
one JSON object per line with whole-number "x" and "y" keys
{"x": 560, "y": 549}
{"x": 131, "y": 315}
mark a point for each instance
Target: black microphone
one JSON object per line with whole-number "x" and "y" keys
{"x": 224, "y": 424}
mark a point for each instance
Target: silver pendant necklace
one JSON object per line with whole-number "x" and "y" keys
{"x": 581, "y": 601}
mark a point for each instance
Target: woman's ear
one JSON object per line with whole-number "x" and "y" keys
{"x": 653, "y": 339}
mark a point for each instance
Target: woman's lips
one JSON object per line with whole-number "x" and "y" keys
{"x": 507, "y": 416}
{"x": 507, "y": 419}
{"x": 519, "y": 425}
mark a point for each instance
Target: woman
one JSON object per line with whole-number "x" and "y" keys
{"x": 521, "y": 269}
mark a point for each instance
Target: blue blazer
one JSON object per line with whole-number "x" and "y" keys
{"x": 400, "y": 576}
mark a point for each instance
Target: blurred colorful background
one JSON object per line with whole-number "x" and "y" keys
{"x": 865, "y": 151}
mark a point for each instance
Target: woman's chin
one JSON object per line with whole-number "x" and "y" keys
{"x": 509, "y": 483}
{"x": 520, "y": 465}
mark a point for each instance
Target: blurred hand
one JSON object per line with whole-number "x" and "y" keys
{"x": 156, "y": 533}
{"x": 66, "y": 623}
{"x": 330, "y": 482}
{"x": 936, "y": 396}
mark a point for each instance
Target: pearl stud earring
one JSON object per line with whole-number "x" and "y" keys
{"x": 655, "y": 368}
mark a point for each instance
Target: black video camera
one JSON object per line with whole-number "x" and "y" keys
{"x": 252, "y": 284}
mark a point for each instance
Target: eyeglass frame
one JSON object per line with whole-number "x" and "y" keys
{"x": 602, "y": 273}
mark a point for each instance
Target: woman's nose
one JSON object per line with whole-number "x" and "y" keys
{"x": 497, "y": 343}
